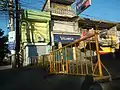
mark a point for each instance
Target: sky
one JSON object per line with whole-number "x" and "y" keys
{"x": 104, "y": 9}
{"x": 100, "y": 9}
{"x": 3, "y": 22}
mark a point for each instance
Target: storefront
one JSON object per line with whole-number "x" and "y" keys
{"x": 35, "y": 37}
{"x": 64, "y": 40}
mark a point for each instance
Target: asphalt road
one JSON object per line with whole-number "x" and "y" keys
{"x": 35, "y": 78}
{"x": 113, "y": 66}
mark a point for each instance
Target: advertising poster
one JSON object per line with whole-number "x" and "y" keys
{"x": 11, "y": 41}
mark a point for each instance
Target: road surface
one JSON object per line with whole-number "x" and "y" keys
{"x": 5, "y": 67}
{"x": 35, "y": 78}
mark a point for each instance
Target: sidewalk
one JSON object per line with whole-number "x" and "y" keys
{"x": 5, "y": 67}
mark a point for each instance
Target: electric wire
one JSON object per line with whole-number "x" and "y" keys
{"x": 95, "y": 18}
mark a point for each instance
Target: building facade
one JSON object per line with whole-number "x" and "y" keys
{"x": 63, "y": 27}
{"x": 56, "y": 26}
{"x": 35, "y": 36}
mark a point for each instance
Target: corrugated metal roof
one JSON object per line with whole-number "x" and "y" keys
{"x": 99, "y": 24}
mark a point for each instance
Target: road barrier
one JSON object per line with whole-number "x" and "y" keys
{"x": 78, "y": 58}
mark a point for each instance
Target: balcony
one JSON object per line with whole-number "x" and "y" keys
{"x": 67, "y": 2}
{"x": 61, "y": 12}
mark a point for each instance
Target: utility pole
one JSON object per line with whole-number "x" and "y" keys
{"x": 11, "y": 15}
{"x": 11, "y": 28}
{"x": 17, "y": 32}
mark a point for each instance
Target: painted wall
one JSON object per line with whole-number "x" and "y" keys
{"x": 65, "y": 26}
{"x": 35, "y": 27}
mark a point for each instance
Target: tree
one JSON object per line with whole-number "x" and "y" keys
{"x": 3, "y": 5}
{"x": 3, "y": 45}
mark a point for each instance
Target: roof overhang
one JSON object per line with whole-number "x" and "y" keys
{"x": 44, "y": 5}
{"x": 61, "y": 18}
{"x": 86, "y": 23}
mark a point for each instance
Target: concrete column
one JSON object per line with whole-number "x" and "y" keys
{"x": 52, "y": 38}
{"x": 27, "y": 57}
{"x": 74, "y": 54}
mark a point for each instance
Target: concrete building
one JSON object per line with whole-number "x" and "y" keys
{"x": 63, "y": 26}
{"x": 108, "y": 33}
{"x": 35, "y": 36}
{"x": 57, "y": 23}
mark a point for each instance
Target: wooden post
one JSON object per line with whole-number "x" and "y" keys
{"x": 98, "y": 54}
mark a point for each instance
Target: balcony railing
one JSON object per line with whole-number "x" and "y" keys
{"x": 61, "y": 12}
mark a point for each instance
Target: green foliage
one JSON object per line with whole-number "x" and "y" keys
{"x": 3, "y": 45}
{"x": 3, "y": 4}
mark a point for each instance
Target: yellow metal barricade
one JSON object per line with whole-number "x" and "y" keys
{"x": 79, "y": 58}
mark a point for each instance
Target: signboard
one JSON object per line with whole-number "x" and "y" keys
{"x": 65, "y": 39}
{"x": 81, "y": 5}
{"x": 11, "y": 36}
{"x": 11, "y": 46}
{"x": 11, "y": 41}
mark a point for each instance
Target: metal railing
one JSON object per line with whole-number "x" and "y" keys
{"x": 42, "y": 60}
{"x": 61, "y": 12}
{"x": 78, "y": 58}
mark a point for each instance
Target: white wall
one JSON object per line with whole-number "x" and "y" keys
{"x": 65, "y": 26}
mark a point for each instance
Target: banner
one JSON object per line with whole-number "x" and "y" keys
{"x": 11, "y": 45}
{"x": 11, "y": 36}
{"x": 11, "y": 41}
{"x": 82, "y": 5}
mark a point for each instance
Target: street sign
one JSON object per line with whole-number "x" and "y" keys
{"x": 11, "y": 46}
{"x": 11, "y": 36}
{"x": 82, "y": 5}
{"x": 11, "y": 42}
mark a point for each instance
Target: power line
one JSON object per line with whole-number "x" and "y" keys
{"x": 96, "y": 18}
{"x": 26, "y": 3}
{"x": 31, "y": 7}
{"x": 3, "y": 14}
{"x": 30, "y": 4}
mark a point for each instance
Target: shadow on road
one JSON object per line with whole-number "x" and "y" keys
{"x": 36, "y": 78}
